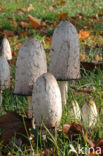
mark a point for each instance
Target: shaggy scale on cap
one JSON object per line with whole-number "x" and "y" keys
{"x": 64, "y": 53}
{"x": 31, "y": 63}
{"x": 46, "y": 101}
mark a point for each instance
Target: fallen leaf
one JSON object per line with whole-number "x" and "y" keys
{"x": 62, "y": 2}
{"x": 2, "y": 9}
{"x": 14, "y": 54}
{"x": 26, "y": 9}
{"x": 62, "y": 16}
{"x": 48, "y": 40}
{"x": 73, "y": 130}
{"x": 72, "y": 21}
{"x": 51, "y": 8}
{"x": 84, "y": 35}
{"x": 8, "y": 32}
{"x": 35, "y": 22}
{"x": 55, "y": 24}
{"x": 66, "y": 128}
{"x": 83, "y": 56}
{"x": 17, "y": 46}
{"x": 11, "y": 62}
{"x": 24, "y": 24}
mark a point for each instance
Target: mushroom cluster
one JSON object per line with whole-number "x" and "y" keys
{"x": 32, "y": 79}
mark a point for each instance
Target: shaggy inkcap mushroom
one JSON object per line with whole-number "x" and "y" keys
{"x": 46, "y": 101}
{"x": 31, "y": 63}
{"x": 64, "y": 55}
{"x": 90, "y": 114}
{"x": 4, "y": 73}
{"x": 4, "y": 77}
{"x": 5, "y": 47}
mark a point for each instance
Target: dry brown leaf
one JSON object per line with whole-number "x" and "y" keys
{"x": 35, "y": 22}
{"x": 84, "y": 35}
{"x": 72, "y": 21}
{"x": 24, "y": 24}
{"x": 83, "y": 56}
{"x": 18, "y": 45}
{"x": 62, "y": 16}
{"x": 73, "y": 130}
{"x": 14, "y": 54}
{"x": 102, "y": 9}
{"x": 62, "y": 2}
{"x": 25, "y": 34}
{"x": 48, "y": 40}
{"x": 51, "y": 8}
{"x": 14, "y": 38}
{"x": 2, "y": 9}
{"x": 8, "y": 32}
{"x": 26, "y": 9}
{"x": 55, "y": 24}
{"x": 66, "y": 128}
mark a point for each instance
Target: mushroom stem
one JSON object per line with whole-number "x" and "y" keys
{"x": 64, "y": 90}
{"x": 30, "y": 109}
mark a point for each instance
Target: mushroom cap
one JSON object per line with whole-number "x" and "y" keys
{"x": 46, "y": 101}
{"x": 90, "y": 113}
{"x": 64, "y": 53}
{"x": 4, "y": 73}
{"x": 76, "y": 110}
{"x": 31, "y": 63}
{"x": 5, "y": 49}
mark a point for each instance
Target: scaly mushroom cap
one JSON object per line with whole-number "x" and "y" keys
{"x": 46, "y": 101}
{"x": 90, "y": 113}
{"x": 4, "y": 73}
{"x": 64, "y": 53}
{"x": 31, "y": 63}
{"x": 5, "y": 49}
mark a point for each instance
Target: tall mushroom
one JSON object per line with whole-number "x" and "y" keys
{"x": 46, "y": 101}
{"x": 64, "y": 56}
{"x": 31, "y": 63}
{"x": 5, "y": 47}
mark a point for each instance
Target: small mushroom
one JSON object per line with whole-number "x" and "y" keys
{"x": 90, "y": 114}
{"x": 46, "y": 101}
{"x": 76, "y": 110}
{"x": 4, "y": 76}
{"x": 64, "y": 55}
{"x": 31, "y": 63}
{"x": 5, "y": 49}
{"x": 4, "y": 73}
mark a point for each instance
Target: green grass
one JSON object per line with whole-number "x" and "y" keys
{"x": 88, "y": 9}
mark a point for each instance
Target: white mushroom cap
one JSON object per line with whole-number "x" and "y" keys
{"x": 46, "y": 101}
{"x": 76, "y": 110}
{"x": 4, "y": 73}
{"x": 5, "y": 49}
{"x": 89, "y": 113}
{"x": 31, "y": 63}
{"x": 64, "y": 53}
